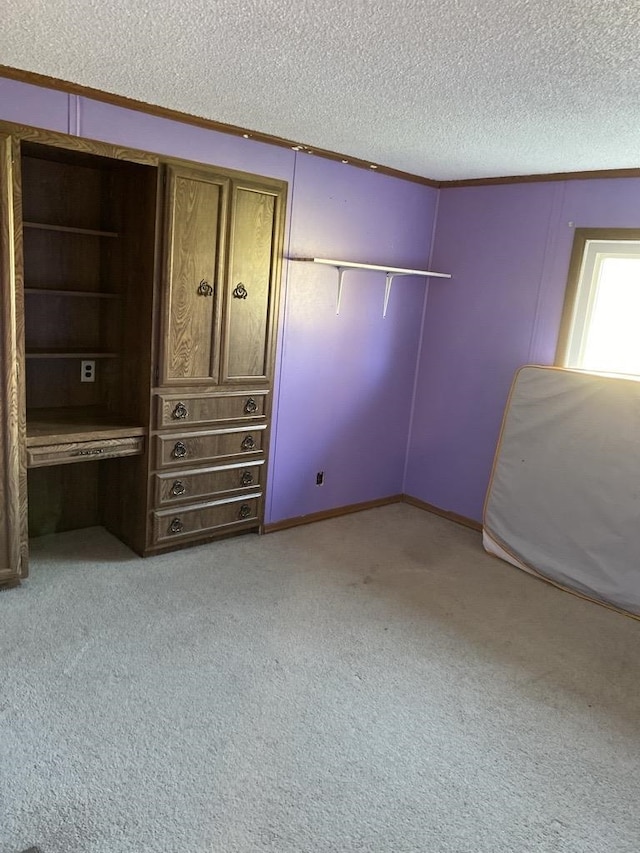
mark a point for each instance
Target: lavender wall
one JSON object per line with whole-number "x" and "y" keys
{"x": 508, "y": 249}
{"x": 345, "y": 383}
{"x": 344, "y": 391}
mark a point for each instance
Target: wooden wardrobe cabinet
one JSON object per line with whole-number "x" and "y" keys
{"x": 139, "y": 301}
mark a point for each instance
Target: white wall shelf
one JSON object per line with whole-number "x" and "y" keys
{"x": 390, "y": 273}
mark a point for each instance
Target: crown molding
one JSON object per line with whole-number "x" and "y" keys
{"x": 70, "y": 88}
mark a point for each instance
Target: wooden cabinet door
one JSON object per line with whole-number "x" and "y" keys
{"x": 13, "y": 470}
{"x": 254, "y": 251}
{"x": 195, "y": 217}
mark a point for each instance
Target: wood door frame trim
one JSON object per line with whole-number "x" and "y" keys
{"x": 13, "y": 463}
{"x": 96, "y": 147}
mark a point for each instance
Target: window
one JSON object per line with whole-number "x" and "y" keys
{"x": 600, "y": 328}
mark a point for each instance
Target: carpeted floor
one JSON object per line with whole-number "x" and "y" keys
{"x": 371, "y": 683}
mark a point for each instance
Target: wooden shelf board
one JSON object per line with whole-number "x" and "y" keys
{"x": 80, "y": 353}
{"x": 63, "y": 426}
{"x": 92, "y": 294}
{"x": 91, "y": 232}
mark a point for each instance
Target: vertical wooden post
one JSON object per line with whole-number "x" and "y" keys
{"x": 13, "y": 471}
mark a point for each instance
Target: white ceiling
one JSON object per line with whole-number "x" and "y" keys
{"x": 445, "y": 89}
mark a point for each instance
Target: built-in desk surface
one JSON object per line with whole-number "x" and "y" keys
{"x": 61, "y": 436}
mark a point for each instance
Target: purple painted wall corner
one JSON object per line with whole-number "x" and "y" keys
{"x": 508, "y": 247}
{"x": 346, "y": 381}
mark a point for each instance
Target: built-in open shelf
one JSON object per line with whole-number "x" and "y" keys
{"x": 75, "y": 353}
{"x": 91, "y": 232}
{"x": 390, "y": 273}
{"x": 90, "y": 294}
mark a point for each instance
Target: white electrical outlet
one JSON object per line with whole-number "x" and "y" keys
{"x": 87, "y": 371}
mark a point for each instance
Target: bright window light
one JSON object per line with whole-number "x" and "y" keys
{"x": 612, "y": 341}
{"x": 604, "y": 336}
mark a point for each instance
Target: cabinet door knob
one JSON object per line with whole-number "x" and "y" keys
{"x": 250, "y": 406}
{"x": 179, "y": 449}
{"x": 245, "y": 511}
{"x": 240, "y": 291}
{"x": 247, "y": 478}
{"x": 180, "y": 412}
{"x": 178, "y": 488}
{"x": 248, "y": 443}
{"x": 176, "y": 526}
{"x": 204, "y": 288}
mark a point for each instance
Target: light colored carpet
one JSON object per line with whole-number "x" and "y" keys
{"x": 371, "y": 683}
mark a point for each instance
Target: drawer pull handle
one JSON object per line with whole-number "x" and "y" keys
{"x": 248, "y": 443}
{"x": 88, "y": 452}
{"x": 247, "y": 478}
{"x": 176, "y": 526}
{"x": 179, "y": 449}
{"x": 240, "y": 291}
{"x": 250, "y": 406}
{"x": 180, "y": 412}
{"x": 178, "y": 488}
{"x": 245, "y": 511}
{"x": 204, "y": 288}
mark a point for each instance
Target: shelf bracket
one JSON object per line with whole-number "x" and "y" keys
{"x": 390, "y": 274}
{"x": 341, "y": 272}
{"x": 387, "y": 291}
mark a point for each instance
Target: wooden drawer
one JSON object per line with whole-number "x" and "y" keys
{"x": 172, "y": 525}
{"x": 83, "y": 451}
{"x": 180, "y": 487}
{"x": 180, "y": 410}
{"x": 207, "y": 446}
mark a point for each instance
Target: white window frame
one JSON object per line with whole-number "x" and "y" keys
{"x": 590, "y": 248}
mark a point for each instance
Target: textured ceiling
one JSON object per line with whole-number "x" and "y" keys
{"x": 446, "y": 89}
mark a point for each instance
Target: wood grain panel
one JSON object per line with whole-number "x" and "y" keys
{"x": 12, "y": 419}
{"x": 59, "y": 193}
{"x": 179, "y": 487}
{"x": 55, "y": 322}
{"x": 195, "y": 204}
{"x": 62, "y": 261}
{"x": 247, "y": 319}
{"x": 80, "y": 146}
{"x": 180, "y": 410}
{"x": 60, "y": 425}
{"x": 65, "y": 497}
{"x": 83, "y": 451}
{"x": 179, "y": 523}
{"x": 173, "y": 450}
{"x": 56, "y": 383}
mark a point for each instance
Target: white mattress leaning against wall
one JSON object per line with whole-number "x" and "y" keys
{"x": 564, "y": 498}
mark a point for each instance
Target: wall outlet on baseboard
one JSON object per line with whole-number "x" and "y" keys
{"x": 87, "y": 371}
{"x": 319, "y": 478}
